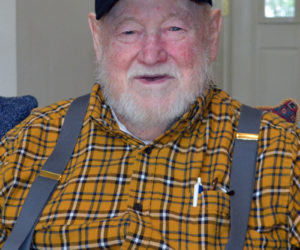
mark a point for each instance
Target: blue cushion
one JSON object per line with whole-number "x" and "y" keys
{"x": 13, "y": 110}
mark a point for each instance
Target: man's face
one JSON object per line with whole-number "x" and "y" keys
{"x": 154, "y": 58}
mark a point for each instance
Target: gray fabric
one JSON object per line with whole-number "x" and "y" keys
{"x": 242, "y": 177}
{"x": 42, "y": 188}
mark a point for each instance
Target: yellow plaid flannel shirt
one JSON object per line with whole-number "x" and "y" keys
{"x": 116, "y": 192}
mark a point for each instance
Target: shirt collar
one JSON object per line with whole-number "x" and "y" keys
{"x": 124, "y": 129}
{"x": 98, "y": 109}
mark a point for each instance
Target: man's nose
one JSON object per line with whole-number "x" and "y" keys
{"x": 153, "y": 50}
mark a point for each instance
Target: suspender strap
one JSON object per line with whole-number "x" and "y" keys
{"x": 46, "y": 182}
{"x": 242, "y": 177}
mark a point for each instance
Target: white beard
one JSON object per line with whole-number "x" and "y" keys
{"x": 156, "y": 115}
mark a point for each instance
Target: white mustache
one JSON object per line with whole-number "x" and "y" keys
{"x": 140, "y": 71}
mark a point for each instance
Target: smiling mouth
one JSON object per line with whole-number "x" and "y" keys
{"x": 153, "y": 78}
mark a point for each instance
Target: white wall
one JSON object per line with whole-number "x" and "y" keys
{"x": 45, "y": 49}
{"x": 8, "y": 63}
{"x": 54, "y": 49}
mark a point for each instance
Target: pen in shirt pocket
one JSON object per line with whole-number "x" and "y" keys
{"x": 198, "y": 189}
{"x": 223, "y": 189}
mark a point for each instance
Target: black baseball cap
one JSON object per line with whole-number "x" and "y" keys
{"x": 103, "y": 6}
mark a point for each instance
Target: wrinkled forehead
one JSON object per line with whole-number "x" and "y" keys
{"x": 103, "y": 6}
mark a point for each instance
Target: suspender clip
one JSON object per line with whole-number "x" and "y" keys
{"x": 247, "y": 136}
{"x": 50, "y": 175}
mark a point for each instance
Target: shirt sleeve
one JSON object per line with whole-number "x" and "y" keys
{"x": 3, "y": 154}
{"x": 7, "y": 144}
{"x": 294, "y": 205}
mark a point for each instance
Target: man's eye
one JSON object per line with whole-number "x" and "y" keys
{"x": 175, "y": 28}
{"x": 175, "y": 33}
{"x": 128, "y": 36}
{"x": 128, "y": 32}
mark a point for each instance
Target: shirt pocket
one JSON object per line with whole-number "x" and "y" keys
{"x": 211, "y": 218}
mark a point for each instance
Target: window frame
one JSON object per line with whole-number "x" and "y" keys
{"x": 278, "y": 20}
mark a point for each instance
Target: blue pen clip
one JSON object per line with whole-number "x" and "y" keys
{"x": 198, "y": 189}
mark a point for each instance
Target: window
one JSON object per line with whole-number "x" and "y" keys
{"x": 280, "y": 8}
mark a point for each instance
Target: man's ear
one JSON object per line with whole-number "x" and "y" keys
{"x": 214, "y": 31}
{"x": 95, "y": 29}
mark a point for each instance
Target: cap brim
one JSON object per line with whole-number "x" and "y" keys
{"x": 102, "y": 7}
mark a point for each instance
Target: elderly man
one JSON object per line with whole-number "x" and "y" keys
{"x": 155, "y": 129}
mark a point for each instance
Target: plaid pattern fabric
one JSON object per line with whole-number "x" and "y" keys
{"x": 117, "y": 192}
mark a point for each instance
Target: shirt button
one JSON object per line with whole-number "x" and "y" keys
{"x": 138, "y": 207}
{"x": 148, "y": 150}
